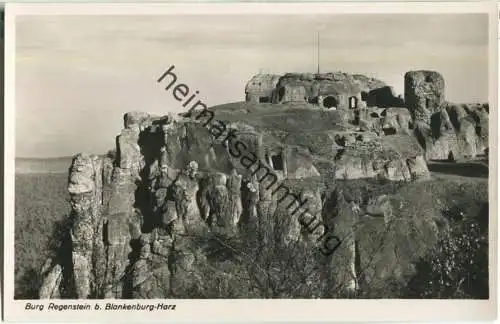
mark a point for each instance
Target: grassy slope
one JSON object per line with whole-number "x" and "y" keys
{"x": 286, "y": 117}
{"x": 40, "y": 205}
{"x": 420, "y": 209}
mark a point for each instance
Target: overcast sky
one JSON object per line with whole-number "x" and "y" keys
{"x": 77, "y": 75}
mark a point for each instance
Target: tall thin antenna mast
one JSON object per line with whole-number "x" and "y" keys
{"x": 318, "y": 52}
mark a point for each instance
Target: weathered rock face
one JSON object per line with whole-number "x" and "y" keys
{"x": 396, "y": 158}
{"x": 396, "y": 121}
{"x": 136, "y": 119}
{"x": 104, "y": 220}
{"x": 85, "y": 188}
{"x": 144, "y": 222}
{"x": 52, "y": 275}
{"x": 424, "y": 94}
{"x": 456, "y": 131}
{"x": 445, "y": 130}
{"x": 136, "y": 220}
{"x": 151, "y": 274}
{"x": 342, "y": 264}
{"x": 128, "y": 150}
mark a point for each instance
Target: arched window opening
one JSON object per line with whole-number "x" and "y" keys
{"x": 329, "y": 102}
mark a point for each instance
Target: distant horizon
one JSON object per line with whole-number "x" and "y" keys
{"x": 83, "y": 73}
{"x": 44, "y": 157}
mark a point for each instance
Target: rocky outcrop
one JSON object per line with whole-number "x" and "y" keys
{"x": 145, "y": 221}
{"x": 52, "y": 278}
{"x": 395, "y": 158}
{"x": 424, "y": 94}
{"x": 150, "y": 275}
{"x": 137, "y": 220}
{"x": 396, "y": 121}
{"x": 446, "y": 131}
{"x": 456, "y": 131}
{"x": 85, "y": 188}
{"x": 342, "y": 272}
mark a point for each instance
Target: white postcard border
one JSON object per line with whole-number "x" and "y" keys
{"x": 251, "y": 309}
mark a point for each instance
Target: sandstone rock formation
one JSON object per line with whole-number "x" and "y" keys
{"x": 424, "y": 94}
{"x": 395, "y": 158}
{"x": 181, "y": 198}
{"x": 460, "y": 131}
{"x": 52, "y": 277}
{"x": 134, "y": 232}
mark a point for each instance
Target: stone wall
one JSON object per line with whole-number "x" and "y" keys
{"x": 312, "y": 88}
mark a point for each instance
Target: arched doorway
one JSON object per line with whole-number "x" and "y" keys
{"x": 329, "y": 102}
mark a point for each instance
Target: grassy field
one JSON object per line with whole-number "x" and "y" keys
{"x": 40, "y": 207}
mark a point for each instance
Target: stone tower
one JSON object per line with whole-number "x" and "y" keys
{"x": 424, "y": 94}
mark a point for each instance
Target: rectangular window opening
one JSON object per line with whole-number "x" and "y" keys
{"x": 277, "y": 162}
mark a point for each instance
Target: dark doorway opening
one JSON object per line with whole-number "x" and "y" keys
{"x": 356, "y": 117}
{"x": 451, "y": 157}
{"x": 389, "y": 130}
{"x": 340, "y": 140}
{"x": 329, "y": 102}
{"x": 281, "y": 93}
{"x": 264, "y": 99}
{"x": 313, "y": 100}
{"x": 105, "y": 234}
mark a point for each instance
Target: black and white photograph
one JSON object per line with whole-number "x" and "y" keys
{"x": 318, "y": 155}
